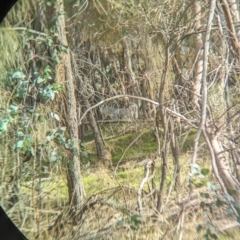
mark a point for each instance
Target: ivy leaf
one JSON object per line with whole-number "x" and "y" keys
{"x": 49, "y": 138}
{"x": 49, "y": 42}
{"x": 40, "y": 80}
{"x": 19, "y": 144}
{"x": 53, "y": 159}
{"x": 205, "y": 194}
{"x": 214, "y": 236}
{"x": 199, "y": 228}
{"x": 205, "y": 171}
{"x": 63, "y": 49}
{"x": 84, "y": 154}
{"x": 32, "y": 151}
{"x": 3, "y": 126}
{"x": 219, "y": 203}
{"x": 55, "y": 116}
{"x": 124, "y": 32}
{"x": 55, "y": 57}
{"x": 18, "y": 75}
{"x": 51, "y": 95}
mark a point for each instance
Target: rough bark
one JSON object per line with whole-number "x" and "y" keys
{"x": 230, "y": 182}
{"x": 231, "y": 19}
{"x": 166, "y": 142}
{"x": 102, "y": 153}
{"x": 223, "y": 172}
{"x": 198, "y": 42}
{"x": 76, "y": 190}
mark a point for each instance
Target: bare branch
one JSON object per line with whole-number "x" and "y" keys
{"x": 112, "y": 98}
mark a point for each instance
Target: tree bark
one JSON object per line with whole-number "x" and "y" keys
{"x": 230, "y": 23}
{"x": 102, "y": 153}
{"x": 223, "y": 169}
{"x": 76, "y": 189}
{"x": 218, "y": 157}
{"x": 198, "y": 42}
{"x": 163, "y": 119}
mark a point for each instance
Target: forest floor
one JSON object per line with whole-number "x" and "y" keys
{"x": 111, "y": 207}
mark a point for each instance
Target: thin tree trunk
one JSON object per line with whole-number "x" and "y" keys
{"x": 219, "y": 158}
{"x": 198, "y": 56}
{"x": 102, "y": 153}
{"x": 175, "y": 151}
{"x": 230, "y": 23}
{"x": 76, "y": 190}
{"x": 164, "y": 123}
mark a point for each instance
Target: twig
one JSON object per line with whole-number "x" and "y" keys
{"x": 148, "y": 164}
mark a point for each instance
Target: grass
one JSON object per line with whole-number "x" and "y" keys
{"x": 112, "y": 200}
{"x": 137, "y": 148}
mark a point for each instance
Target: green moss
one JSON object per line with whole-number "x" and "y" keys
{"x": 96, "y": 182}
{"x": 122, "y": 174}
{"x": 89, "y": 180}
{"x": 144, "y": 146}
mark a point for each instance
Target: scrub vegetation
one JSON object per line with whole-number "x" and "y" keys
{"x": 120, "y": 119}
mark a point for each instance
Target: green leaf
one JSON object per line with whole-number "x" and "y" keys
{"x": 199, "y": 228}
{"x": 53, "y": 159}
{"x": 205, "y": 171}
{"x": 19, "y": 144}
{"x": 75, "y": 151}
{"x": 124, "y": 32}
{"x": 18, "y": 75}
{"x": 49, "y": 42}
{"x": 84, "y": 154}
{"x": 63, "y": 49}
{"x": 55, "y": 57}
{"x": 205, "y": 194}
{"x": 47, "y": 69}
{"x": 3, "y": 126}
{"x": 199, "y": 183}
{"x": 14, "y": 108}
{"x": 40, "y": 80}
{"x": 20, "y": 133}
{"x": 55, "y": 116}
{"x": 49, "y": 138}
{"x": 202, "y": 204}
{"x": 32, "y": 151}
{"x": 233, "y": 191}
{"x": 219, "y": 203}
{"x": 40, "y": 118}
{"x": 214, "y": 236}
{"x": 51, "y": 95}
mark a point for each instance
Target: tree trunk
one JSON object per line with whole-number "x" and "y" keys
{"x": 198, "y": 56}
{"x": 230, "y": 182}
{"x": 230, "y": 24}
{"x": 102, "y": 153}
{"x": 76, "y": 189}
{"x": 222, "y": 170}
{"x": 163, "y": 119}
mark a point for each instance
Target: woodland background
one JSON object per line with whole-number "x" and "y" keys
{"x": 170, "y": 171}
